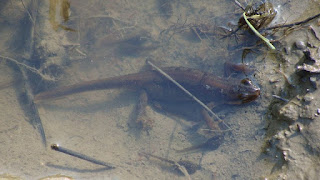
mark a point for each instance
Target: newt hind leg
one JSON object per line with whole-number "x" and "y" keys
{"x": 142, "y": 118}
{"x": 214, "y": 125}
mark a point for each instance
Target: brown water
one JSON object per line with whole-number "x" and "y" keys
{"x": 114, "y": 38}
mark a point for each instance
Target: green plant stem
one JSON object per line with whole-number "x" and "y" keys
{"x": 257, "y": 33}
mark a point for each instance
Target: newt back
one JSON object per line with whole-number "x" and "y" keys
{"x": 205, "y": 84}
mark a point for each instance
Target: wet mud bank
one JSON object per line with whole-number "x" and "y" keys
{"x": 293, "y": 119}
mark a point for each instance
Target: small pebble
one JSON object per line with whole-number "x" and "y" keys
{"x": 300, "y": 45}
{"x": 287, "y": 50}
{"x": 299, "y": 127}
{"x": 313, "y": 81}
{"x": 308, "y": 98}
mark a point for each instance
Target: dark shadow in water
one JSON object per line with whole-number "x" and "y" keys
{"x": 122, "y": 99}
{"x": 77, "y": 169}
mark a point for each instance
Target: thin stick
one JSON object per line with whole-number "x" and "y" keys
{"x": 186, "y": 91}
{"x": 181, "y": 168}
{"x": 293, "y": 24}
{"x": 239, "y": 4}
{"x": 58, "y": 148}
{"x": 30, "y": 16}
{"x": 257, "y": 33}
{"x": 280, "y": 98}
{"x": 46, "y": 77}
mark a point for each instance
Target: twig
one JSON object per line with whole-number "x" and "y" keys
{"x": 315, "y": 33}
{"x": 293, "y": 24}
{"x": 58, "y": 148}
{"x": 240, "y": 5}
{"x": 46, "y": 77}
{"x": 183, "y": 170}
{"x": 257, "y": 33}
{"x": 186, "y": 91}
{"x": 195, "y": 31}
{"x": 280, "y": 98}
{"x": 30, "y": 16}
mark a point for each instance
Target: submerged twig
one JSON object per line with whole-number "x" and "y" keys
{"x": 32, "y": 69}
{"x": 293, "y": 24}
{"x": 257, "y": 33}
{"x": 58, "y": 148}
{"x": 186, "y": 91}
{"x": 240, "y": 5}
{"x": 198, "y": 35}
{"x": 183, "y": 170}
{"x": 29, "y": 14}
{"x": 280, "y": 98}
{"x": 185, "y": 167}
{"x": 315, "y": 33}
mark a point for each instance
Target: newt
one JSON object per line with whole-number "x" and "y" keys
{"x": 205, "y": 86}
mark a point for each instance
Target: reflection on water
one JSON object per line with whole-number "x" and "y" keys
{"x": 74, "y": 48}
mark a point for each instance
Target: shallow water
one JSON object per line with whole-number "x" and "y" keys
{"x": 114, "y": 38}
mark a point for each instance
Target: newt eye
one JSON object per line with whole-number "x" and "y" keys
{"x": 246, "y": 82}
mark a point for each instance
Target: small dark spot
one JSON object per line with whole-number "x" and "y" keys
{"x": 53, "y": 70}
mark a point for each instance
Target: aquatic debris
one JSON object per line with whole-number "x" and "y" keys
{"x": 64, "y": 13}
{"x": 313, "y": 55}
{"x": 314, "y": 32}
{"x": 280, "y": 98}
{"x": 32, "y": 69}
{"x": 258, "y": 18}
{"x": 293, "y": 24}
{"x": 257, "y": 33}
{"x": 184, "y": 166}
{"x": 58, "y": 148}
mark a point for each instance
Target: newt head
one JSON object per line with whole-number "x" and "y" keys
{"x": 246, "y": 91}
{"x": 236, "y": 91}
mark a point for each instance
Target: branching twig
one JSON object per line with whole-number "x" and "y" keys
{"x": 34, "y": 70}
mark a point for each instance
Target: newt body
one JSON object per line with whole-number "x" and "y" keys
{"x": 205, "y": 86}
